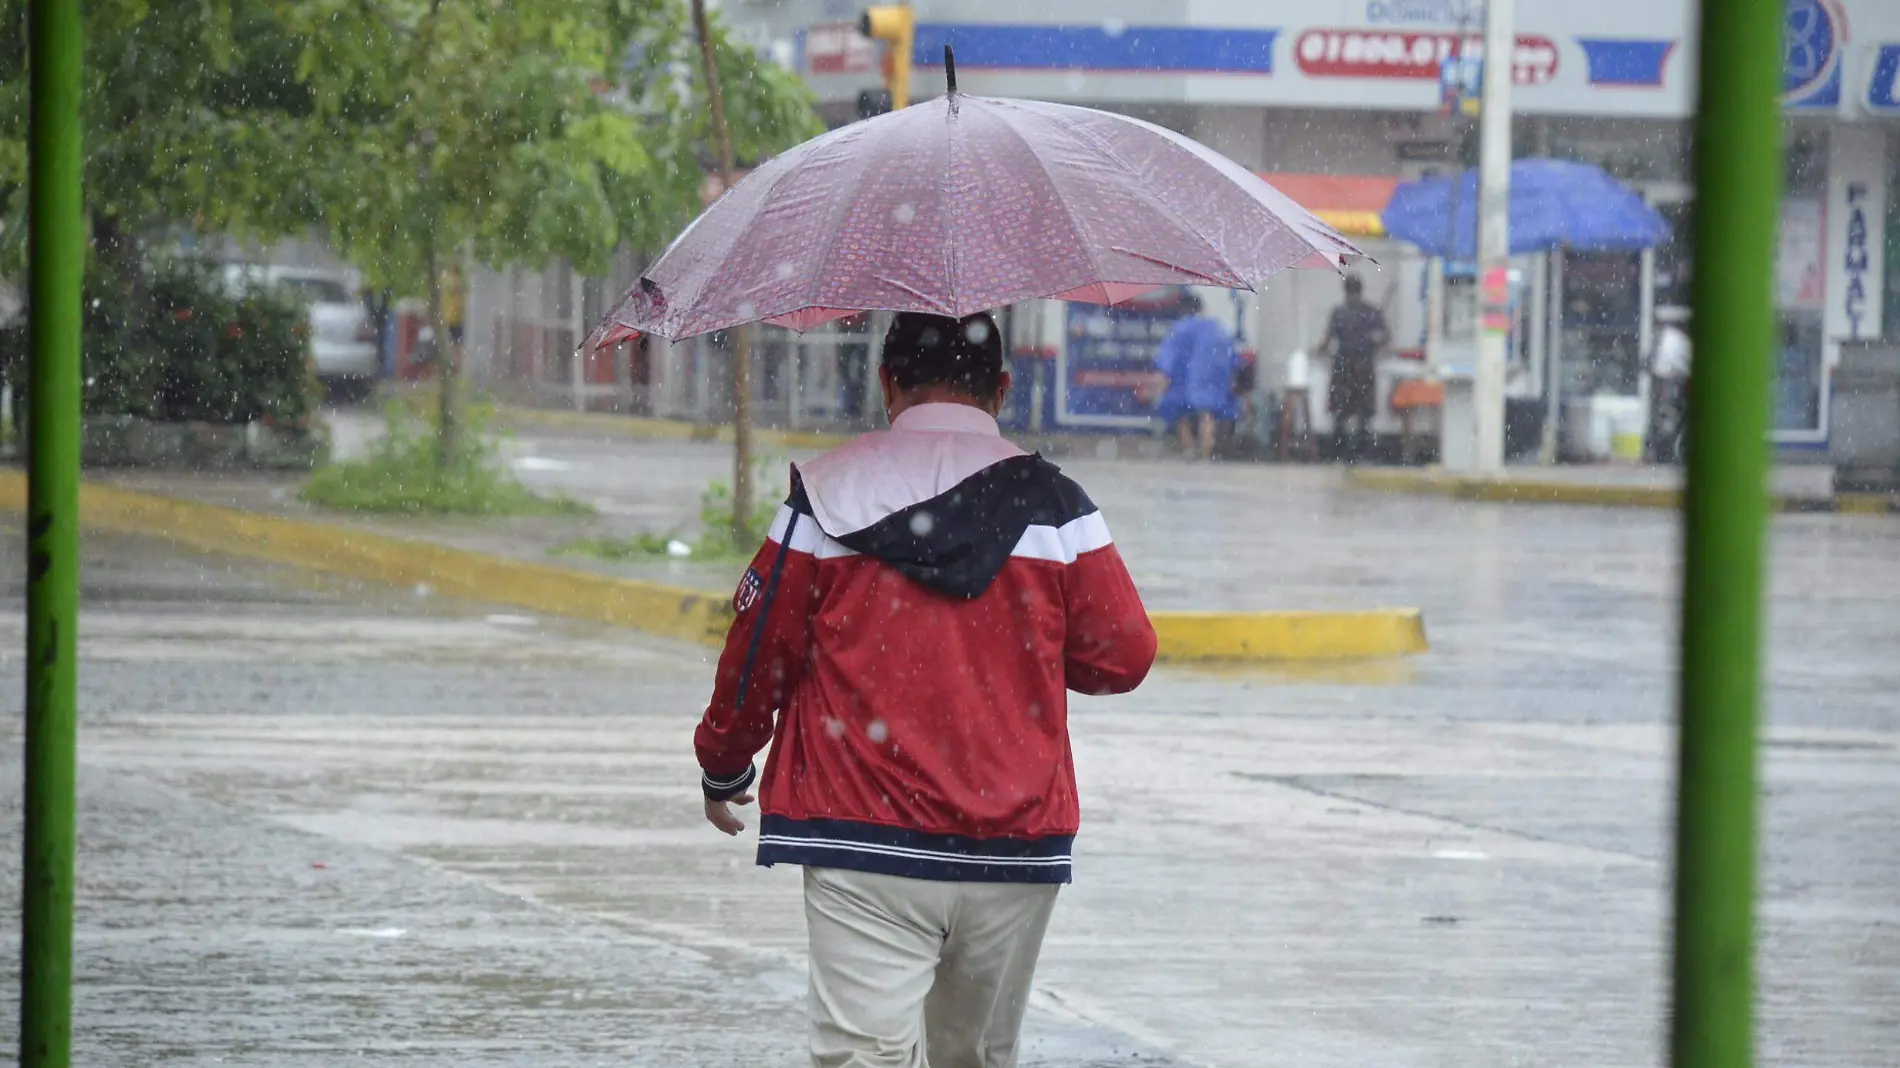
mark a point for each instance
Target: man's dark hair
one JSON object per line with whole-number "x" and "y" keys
{"x": 928, "y": 350}
{"x": 1190, "y": 302}
{"x": 1354, "y": 286}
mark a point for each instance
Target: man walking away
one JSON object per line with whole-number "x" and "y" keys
{"x": 926, "y": 597}
{"x": 1355, "y": 335}
{"x": 1199, "y": 365}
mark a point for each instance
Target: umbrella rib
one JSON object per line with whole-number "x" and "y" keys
{"x": 738, "y": 232}
{"x": 1102, "y": 146}
{"x": 836, "y": 216}
{"x": 1075, "y": 227}
{"x": 946, "y": 194}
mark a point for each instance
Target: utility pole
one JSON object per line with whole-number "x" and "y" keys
{"x": 1738, "y": 168}
{"x": 56, "y": 253}
{"x": 1494, "y": 232}
{"x": 742, "y": 334}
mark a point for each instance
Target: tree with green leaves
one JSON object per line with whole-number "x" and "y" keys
{"x": 187, "y": 110}
{"x": 409, "y": 132}
{"x": 516, "y": 133}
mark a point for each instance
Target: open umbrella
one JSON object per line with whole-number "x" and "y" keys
{"x": 964, "y": 204}
{"x": 1554, "y": 204}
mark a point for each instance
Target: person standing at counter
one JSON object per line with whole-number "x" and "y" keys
{"x": 1355, "y": 335}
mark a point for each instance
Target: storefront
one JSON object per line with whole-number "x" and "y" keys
{"x": 1348, "y": 91}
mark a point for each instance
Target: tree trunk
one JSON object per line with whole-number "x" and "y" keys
{"x": 742, "y": 537}
{"x": 448, "y": 429}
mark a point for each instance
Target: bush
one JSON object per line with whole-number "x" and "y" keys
{"x": 716, "y": 507}
{"x": 230, "y": 359}
{"x": 404, "y": 473}
{"x": 174, "y": 347}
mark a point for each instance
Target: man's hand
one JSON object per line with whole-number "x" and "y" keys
{"x": 720, "y": 814}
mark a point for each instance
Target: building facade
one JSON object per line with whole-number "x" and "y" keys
{"x": 1336, "y": 101}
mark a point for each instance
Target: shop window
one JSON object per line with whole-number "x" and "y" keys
{"x": 1602, "y": 323}
{"x": 1800, "y": 289}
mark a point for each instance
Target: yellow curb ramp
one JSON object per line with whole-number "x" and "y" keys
{"x": 673, "y": 612}
{"x": 1532, "y": 490}
{"x": 1290, "y": 636}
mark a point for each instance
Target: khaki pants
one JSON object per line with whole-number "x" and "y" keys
{"x": 911, "y": 973}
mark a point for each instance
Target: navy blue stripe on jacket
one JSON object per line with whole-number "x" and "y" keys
{"x": 913, "y": 854}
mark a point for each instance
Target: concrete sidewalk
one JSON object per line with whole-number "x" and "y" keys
{"x": 1792, "y": 487}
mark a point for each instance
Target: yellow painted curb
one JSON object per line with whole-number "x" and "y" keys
{"x": 1867, "y": 503}
{"x": 1385, "y": 632}
{"x": 669, "y": 611}
{"x": 1513, "y": 490}
{"x": 1516, "y": 490}
{"x": 642, "y": 428}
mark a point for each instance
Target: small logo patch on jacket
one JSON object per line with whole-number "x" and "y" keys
{"x": 748, "y": 592}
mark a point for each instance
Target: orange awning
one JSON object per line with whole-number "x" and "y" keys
{"x": 1349, "y": 203}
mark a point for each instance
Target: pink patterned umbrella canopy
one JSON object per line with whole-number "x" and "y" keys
{"x": 967, "y": 203}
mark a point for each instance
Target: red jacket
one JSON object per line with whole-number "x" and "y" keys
{"x": 940, "y": 593}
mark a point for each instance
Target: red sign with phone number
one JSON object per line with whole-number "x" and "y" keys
{"x": 1399, "y": 54}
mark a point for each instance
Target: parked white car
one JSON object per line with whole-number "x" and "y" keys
{"x": 342, "y": 338}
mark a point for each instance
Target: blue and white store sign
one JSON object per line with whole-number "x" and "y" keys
{"x": 1883, "y": 88}
{"x": 1811, "y": 52}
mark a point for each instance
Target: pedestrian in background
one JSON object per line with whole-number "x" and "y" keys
{"x": 1669, "y": 384}
{"x": 1199, "y": 369}
{"x": 1355, "y": 335}
{"x": 905, "y": 639}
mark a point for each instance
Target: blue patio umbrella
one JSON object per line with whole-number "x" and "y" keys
{"x": 1554, "y": 204}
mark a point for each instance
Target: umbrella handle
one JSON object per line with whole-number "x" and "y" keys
{"x": 949, "y": 70}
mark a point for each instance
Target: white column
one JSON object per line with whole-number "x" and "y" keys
{"x": 1494, "y": 236}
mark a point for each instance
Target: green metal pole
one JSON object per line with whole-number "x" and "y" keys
{"x": 1738, "y": 192}
{"x": 56, "y": 257}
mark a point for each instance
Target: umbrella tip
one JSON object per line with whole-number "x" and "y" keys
{"x": 949, "y": 70}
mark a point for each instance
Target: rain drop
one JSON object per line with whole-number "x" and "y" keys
{"x": 834, "y": 727}
{"x": 1114, "y": 27}
{"x": 922, "y": 523}
{"x": 785, "y": 269}
{"x": 903, "y": 213}
{"x": 976, "y": 331}
{"x": 877, "y": 731}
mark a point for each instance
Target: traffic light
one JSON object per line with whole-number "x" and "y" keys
{"x": 897, "y": 28}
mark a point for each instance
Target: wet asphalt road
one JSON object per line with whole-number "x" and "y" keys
{"x": 327, "y": 823}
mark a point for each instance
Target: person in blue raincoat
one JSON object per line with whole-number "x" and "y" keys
{"x": 1198, "y": 362}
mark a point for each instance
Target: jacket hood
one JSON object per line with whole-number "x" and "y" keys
{"x": 957, "y": 541}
